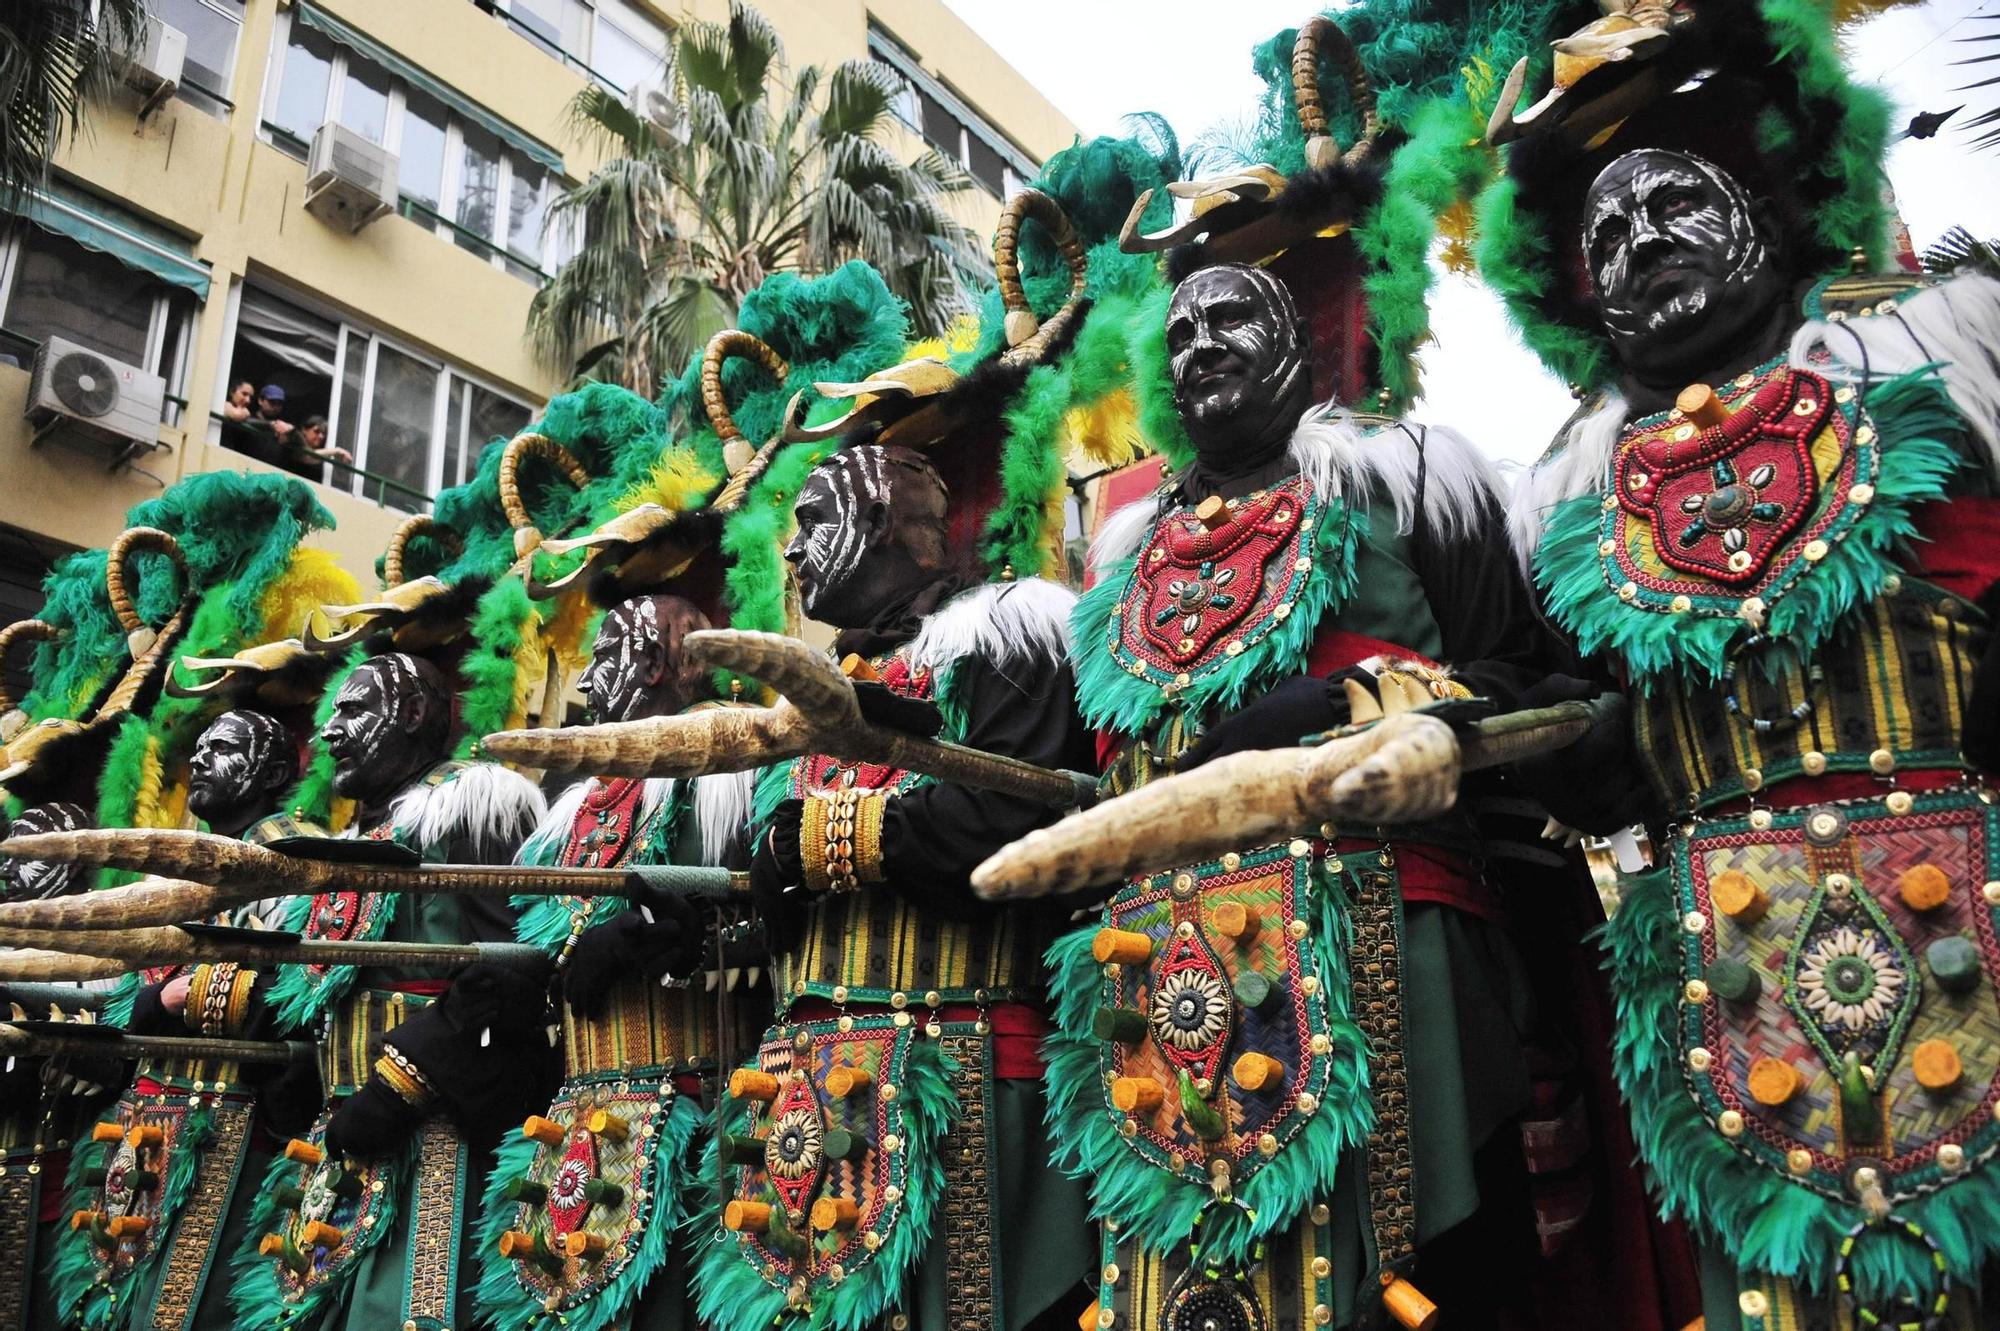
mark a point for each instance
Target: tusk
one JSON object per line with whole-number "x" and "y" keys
{"x": 721, "y": 739}
{"x": 1500, "y": 126}
{"x": 1362, "y": 707}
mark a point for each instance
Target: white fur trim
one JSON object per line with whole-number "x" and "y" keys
{"x": 1342, "y": 458}
{"x": 1002, "y": 621}
{"x": 555, "y": 825}
{"x": 489, "y": 806}
{"x": 721, "y": 814}
{"x": 1955, "y": 324}
{"x": 1579, "y": 464}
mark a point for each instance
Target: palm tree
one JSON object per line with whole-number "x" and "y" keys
{"x": 725, "y": 174}
{"x": 54, "y": 55}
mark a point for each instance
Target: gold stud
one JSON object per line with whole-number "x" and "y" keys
{"x": 1234, "y": 647}
{"x": 1282, "y": 613}
{"x": 1682, "y": 433}
{"x": 1680, "y": 605}
{"x": 1752, "y": 1303}
{"x": 1698, "y": 1059}
{"x": 1900, "y": 802}
{"x": 1991, "y": 891}
{"x": 840, "y": 993}
{"x": 1694, "y": 921}
{"x": 1729, "y": 1123}
{"x": 933, "y": 998}
{"x": 1321, "y": 1268}
{"x": 899, "y": 1000}
{"x": 1760, "y": 819}
{"x": 1308, "y": 1103}
{"x": 1814, "y": 762}
{"x": 1799, "y": 1160}
{"x": 1321, "y": 1045}
{"x": 1309, "y": 985}
{"x": 1606, "y": 547}
{"x": 1753, "y": 779}
{"x": 1299, "y": 846}
{"x": 1321, "y": 1215}
{"x": 1695, "y": 991}
{"x": 1844, "y": 394}
{"x": 1951, "y": 1157}
{"x": 1860, "y": 494}
{"x": 1230, "y": 861}
{"x": 1322, "y": 1314}
{"x": 1629, "y": 591}
{"x": 1881, "y": 762}
{"x": 1302, "y": 565}
{"x": 1298, "y": 929}
{"x": 1839, "y": 885}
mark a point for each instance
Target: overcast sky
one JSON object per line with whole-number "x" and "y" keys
{"x": 1190, "y": 61}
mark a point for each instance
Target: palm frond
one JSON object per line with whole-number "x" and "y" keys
{"x": 1958, "y": 250}
{"x": 56, "y": 56}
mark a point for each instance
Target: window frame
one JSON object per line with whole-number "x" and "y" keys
{"x": 213, "y": 101}
{"x": 158, "y": 320}
{"x": 349, "y": 334}
{"x": 595, "y": 12}
{"x": 886, "y": 48}
{"x": 493, "y": 249}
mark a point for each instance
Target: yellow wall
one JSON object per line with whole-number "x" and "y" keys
{"x": 239, "y": 201}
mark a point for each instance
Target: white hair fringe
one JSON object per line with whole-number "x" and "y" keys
{"x": 481, "y": 803}
{"x": 1005, "y": 622}
{"x": 1955, "y": 325}
{"x": 1340, "y": 458}
{"x": 721, "y": 812}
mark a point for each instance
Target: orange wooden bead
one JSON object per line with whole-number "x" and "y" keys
{"x": 107, "y": 1132}
{"x": 747, "y": 1217}
{"x": 1737, "y": 897}
{"x": 319, "y": 1234}
{"x": 546, "y": 1131}
{"x": 752, "y": 1084}
{"x": 1700, "y": 404}
{"x": 271, "y": 1245}
{"x": 1407, "y": 1304}
{"x": 1774, "y": 1082}
{"x": 302, "y": 1152}
{"x": 1923, "y": 887}
{"x": 845, "y": 1081}
{"x": 1235, "y": 920}
{"x": 1135, "y": 1095}
{"x": 830, "y": 1213}
{"x": 514, "y": 1244}
{"x": 1258, "y": 1072}
{"x": 583, "y": 1243}
{"x": 145, "y": 1136}
{"x": 84, "y": 1219}
{"x": 1121, "y": 946}
{"x": 1936, "y": 1065}
{"x": 1213, "y": 512}
{"x": 1088, "y": 1320}
{"x": 603, "y": 1123}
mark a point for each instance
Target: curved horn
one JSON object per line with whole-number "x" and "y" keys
{"x": 22, "y": 631}
{"x": 1500, "y": 126}
{"x": 720, "y": 739}
{"x": 138, "y": 540}
{"x": 1245, "y": 799}
{"x": 200, "y": 857}
{"x": 30, "y": 965}
{"x": 150, "y": 902}
{"x": 519, "y": 449}
{"x": 737, "y": 452}
{"x": 224, "y": 668}
{"x": 1028, "y": 342}
{"x": 1021, "y": 324}
{"x": 806, "y": 678}
{"x": 421, "y": 524}
{"x": 1318, "y": 34}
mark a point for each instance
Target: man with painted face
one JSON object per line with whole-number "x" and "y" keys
{"x": 1302, "y": 559}
{"x": 1727, "y": 533}
{"x": 639, "y": 1039}
{"x": 861, "y": 875}
{"x": 421, "y": 1073}
{"x": 24, "y": 880}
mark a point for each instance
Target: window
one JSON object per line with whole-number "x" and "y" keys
{"x": 610, "y": 40}
{"x": 212, "y": 28}
{"x": 50, "y": 286}
{"x": 943, "y": 120}
{"x": 455, "y": 176}
{"x": 412, "y": 424}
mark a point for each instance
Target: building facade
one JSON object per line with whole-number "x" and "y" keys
{"x": 173, "y": 256}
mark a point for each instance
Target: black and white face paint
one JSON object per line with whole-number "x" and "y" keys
{"x": 1677, "y": 257}
{"x": 239, "y": 762}
{"x": 838, "y": 516}
{"x": 1237, "y": 353}
{"x": 389, "y": 722}
{"x": 26, "y": 880}
{"x": 628, "y": 642}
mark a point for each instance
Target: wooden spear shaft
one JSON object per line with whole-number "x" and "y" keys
{"x": 20, "y": 1043}
{"x": 170, "y": 946}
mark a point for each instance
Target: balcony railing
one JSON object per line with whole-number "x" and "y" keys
{"x": 385, "y": 491}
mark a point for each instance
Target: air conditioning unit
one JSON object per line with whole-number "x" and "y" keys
{"x": 349, "y": 181}
{"x": 87, "y": 393}
{"x": 154, "y": 69}
{"x": 665, "y": 117}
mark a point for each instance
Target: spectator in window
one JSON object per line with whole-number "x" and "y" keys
{"x": 311, "y": 438}
{"x": 271, "y": 411}
{"x": 240, "y": 403}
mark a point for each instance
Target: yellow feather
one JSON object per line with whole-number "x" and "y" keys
{"x": 313, "y": 579}
{"x": 676, "y": 482}
{"x": 1105, "y": 431}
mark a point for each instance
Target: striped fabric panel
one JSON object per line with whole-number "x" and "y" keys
{"x": 344, "y": 1056}
{"x": 646, "y": 1025}
{"x": 1895, "y": 678}
{"x": 874, "y": 944}
{"x": 1293, "y": 1285}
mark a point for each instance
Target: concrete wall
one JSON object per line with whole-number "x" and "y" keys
{"x": 239, "y": 201}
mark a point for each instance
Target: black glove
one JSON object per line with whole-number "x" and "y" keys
{"x": 1297, "y": 707}
{"x": 1595, "y": 784}
{"x": 484, "y": 1048}
{"x": 775, "y": 875}
{"x": 371, "y": 1122}
{"x": 629, "y": 945}
{"x": 1981, "y": 744}
{"x": 883, "y": 707}
{"x": 150, "y": 1015}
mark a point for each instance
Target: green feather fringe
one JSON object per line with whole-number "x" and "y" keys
{"x": 1921, "y": 437}
{"x": 505, "y": 1302}
{"x": 295, "y": 998}
{"x": 1112, "y": 699}
{"x": 256, "y": 1294}
{"x": 1764, "y": 1221}
{"x": 731, "y": 1291}
{"x": 85, "y": 1304}
{"x": 1159, "y": 1210}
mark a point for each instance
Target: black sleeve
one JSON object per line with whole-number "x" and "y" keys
{"x": 1494, "y": 640}
{"x": 934, "y": 836}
